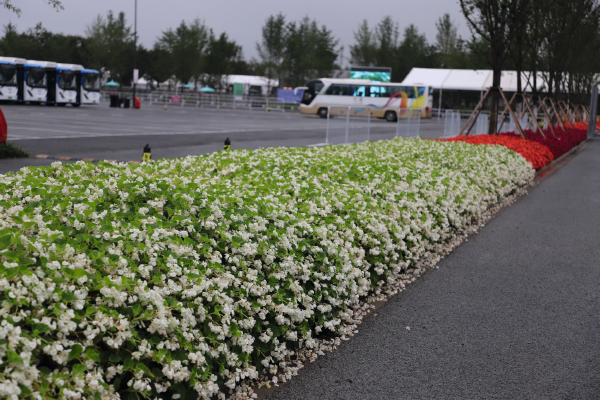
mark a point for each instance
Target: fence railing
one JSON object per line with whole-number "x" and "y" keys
{"x": 352, "y": 124}
{"x": 408, "y": 123}
{"x": 347, "y": 125}
{"x": 210, "y": 100}
{"x": 452, "y": 123}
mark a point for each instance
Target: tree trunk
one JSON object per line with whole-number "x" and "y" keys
{"x": 495, "y": 99}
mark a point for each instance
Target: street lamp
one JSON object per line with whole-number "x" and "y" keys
{"x": 135, "y": 71}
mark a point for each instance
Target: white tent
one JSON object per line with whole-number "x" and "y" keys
{"x": 248, "y": 81}
{"x": 468, "y": 79}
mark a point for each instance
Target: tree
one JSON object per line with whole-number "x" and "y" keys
{"x": 487, "y": 20}
{"x": 111, "y": 46}
{"x": 272, "y": 46}
{"x": 446, "y": 39}
{"x": 9, "y": 5}
{"x": 186, "y": 47}
{"x": 40, "y": 44}
{"x": 569, "y": 46}
{"x": 519, "y": 12}
{"x": 387, "y": 36}
{"x": 412, "y": 52}
{"x": 363, "y": 52}
{"x": 222, "y": 55}
{"x": 310, "y": 52}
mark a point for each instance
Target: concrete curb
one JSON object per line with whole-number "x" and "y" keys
{"x": 91, "y": 160}
{"x": 542, "y": 173}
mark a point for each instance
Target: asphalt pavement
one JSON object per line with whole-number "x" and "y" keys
{"x": 99, "y": 132}
{"x": 514, "y": 313}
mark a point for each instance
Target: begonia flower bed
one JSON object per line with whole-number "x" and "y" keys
{"x": 537, "y": 154}
{"x": 186, "y": 278}
{"x": 558, "y": 142}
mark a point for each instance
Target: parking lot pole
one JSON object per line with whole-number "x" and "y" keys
{"x": 347, "y": 124}
{"x": 327, "y": 131}
{"x": 134, "y": 48}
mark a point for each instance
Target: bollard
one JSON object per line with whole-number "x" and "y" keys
{"x": 227, "y": 145}
{"x": 147, "y": 153}
{"x": 166, "y": 107}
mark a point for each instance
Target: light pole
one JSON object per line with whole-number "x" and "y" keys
{"x": 134, "y": 52}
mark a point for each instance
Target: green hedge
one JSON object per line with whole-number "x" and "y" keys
{"x": 185, "y": 278}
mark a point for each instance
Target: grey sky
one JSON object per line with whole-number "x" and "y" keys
{"x": 241, "y": 19}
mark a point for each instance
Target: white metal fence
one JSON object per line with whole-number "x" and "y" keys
{"x": 452, "y": 123}
{"x": 408, "y": 123}
{"x": 483, "y": 124}
{"x": 346, "y": 125}
{"x": 210, "y": 100}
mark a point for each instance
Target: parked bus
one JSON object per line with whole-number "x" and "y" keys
{"x": 10, "y": 68}
{"x": 66, "y": 84}
{"x": 38, "y": 77}
{"x": 89, "y": 86}
{"x": 384, "y": 99}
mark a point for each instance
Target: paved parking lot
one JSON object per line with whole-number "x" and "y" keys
{"x": 100, "y": 132}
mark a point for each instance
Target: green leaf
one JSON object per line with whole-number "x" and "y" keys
{"x": 68, "y": 297}
{"x": 91, "y": 310}
{"x": 24, "y": 391}
{"x": 128, "y": 364}
{"x": 141, "y": 367}
{"x": 40, "y": 328}
{"x": 76, "y": 351}
{"x": 92, "y": 354}
{"x": 114, "y": 358}
{"x": 137, "y": 309}
{"x": 78, "y": 368}
{"x": 13, "y": 357}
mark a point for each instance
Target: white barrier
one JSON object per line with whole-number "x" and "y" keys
{"x": 408, "y": 123}
{"x": 451, "y": 123}
{"x": 210, "y": 100}
{"x": 346, "y": 125}
{"x": 483, "y": 124}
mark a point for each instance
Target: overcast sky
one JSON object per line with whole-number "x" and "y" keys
{"x": 241, "y": 19}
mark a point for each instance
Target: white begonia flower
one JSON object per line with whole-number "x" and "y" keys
{"x": 220, "y": 245}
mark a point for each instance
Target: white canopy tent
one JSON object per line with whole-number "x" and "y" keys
{"x": 248, "y": 81}
{"x": 467, "y": 79}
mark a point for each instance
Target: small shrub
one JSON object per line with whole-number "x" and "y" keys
{"x": 8, "y": 150}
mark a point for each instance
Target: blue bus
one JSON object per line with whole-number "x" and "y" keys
{"x": 90, "y": 86}
{"x": 66, "y": 85}
{"x": 10, "y": 68}
{"x": 35, "y": 82}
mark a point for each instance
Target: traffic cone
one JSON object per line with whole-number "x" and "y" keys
{"x": 227, "y": 145}
{"x": 147, "y": 153}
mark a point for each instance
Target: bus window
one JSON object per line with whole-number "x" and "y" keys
{"x": 8, "y": 75}
{"x": 394, "y": 89}
{"x": 338, "y": 90}
{"x": 36, "y": 77}
{"x": 91, "y": 82}
{"x": 379, "y": 91}
{"x": 314, "y": 87}
{"x": 358, "y": 91}
{"x": 66, "y": 80}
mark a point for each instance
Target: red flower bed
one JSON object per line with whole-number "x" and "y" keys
{"x": 537, "y": 154}
{"x": 558, "y": 143}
